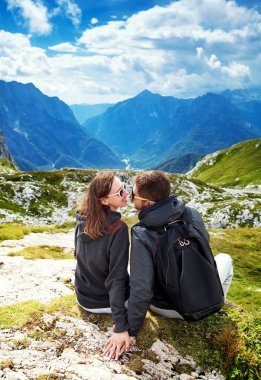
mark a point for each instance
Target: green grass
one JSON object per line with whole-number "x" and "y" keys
{"x": 30, "y": 312}
{"x": 243, "y": 244}
{"x": 15, "y": 231}
{"x": 12, "y": 231}
{"x": 43, "y": 252}
{"x": 239, "y": 165}
{"x": 6, "y": 164}
{"x": 228, "y": 340}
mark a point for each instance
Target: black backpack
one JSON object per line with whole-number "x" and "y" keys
{"x": 185, "y": 269}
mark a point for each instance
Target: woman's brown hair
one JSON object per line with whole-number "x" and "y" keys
{"x": 91, "y": 207}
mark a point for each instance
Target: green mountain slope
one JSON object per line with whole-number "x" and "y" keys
{"x": 239, "y": 165}
{"x": 7, "y": 166}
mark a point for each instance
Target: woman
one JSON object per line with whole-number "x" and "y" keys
{"x": 102, "y": 251}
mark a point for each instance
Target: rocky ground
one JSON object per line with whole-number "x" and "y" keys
{"x": 62, "y": 347}
{"x": 23, "y": 280}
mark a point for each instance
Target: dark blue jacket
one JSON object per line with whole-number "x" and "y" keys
{"x": 143, "y": 287}
{"x": 101, "y": 277}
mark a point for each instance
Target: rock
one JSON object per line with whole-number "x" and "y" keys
{"x": 76, "y": 354}
{"x": 15, "y": 376}
{"x": 6, "y": 346}
{"x": 165, "y": 352}
{"x": 184, "y": 376}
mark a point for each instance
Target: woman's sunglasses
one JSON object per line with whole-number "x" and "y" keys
{"x": 119, "y": 193}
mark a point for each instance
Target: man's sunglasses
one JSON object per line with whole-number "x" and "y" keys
{"x": 119, "y": 193}
{"x": 133, "y": 196}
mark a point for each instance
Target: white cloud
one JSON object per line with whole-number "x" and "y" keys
{"x": 94, "y": 21}
{"x": 65, "y": 47}
{"x": 70, "y": 9}
{"x": 34, "y": 14}
{"x": 19, "y": 60}
{"x": 234, "y": 69}
{"x": 184, "y": 49}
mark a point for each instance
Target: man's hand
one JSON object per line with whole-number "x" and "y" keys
{"x": 116, "y": 345}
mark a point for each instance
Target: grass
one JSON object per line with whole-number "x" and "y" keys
{"x": 15, "y": 231}
{"x": 227, "y": 340}
{"x": 243, "y": 244}
{"x": 238, "y": 165}
{"x": 6, "y": 164}
{"x": 12, "y": 231}
{"x": 6, "y": 364}
{"x": 22, "y": 313}
{"x": 43, "y": 252}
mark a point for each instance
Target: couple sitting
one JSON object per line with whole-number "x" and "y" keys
{"x": 102, "y": 282}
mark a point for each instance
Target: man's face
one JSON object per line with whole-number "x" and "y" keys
{"x": 139, "y": 202}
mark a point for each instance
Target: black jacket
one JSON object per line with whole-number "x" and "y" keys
{"x": 143, "y": 287}
{"x": 101, "y": 278}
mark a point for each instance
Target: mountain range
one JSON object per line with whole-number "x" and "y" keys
{"x": 42, "y": 133}
{"x": 146, "y": 131}
{"x": 150, "y": 129}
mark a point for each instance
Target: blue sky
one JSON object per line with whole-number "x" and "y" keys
{"x": 96, "y": 51}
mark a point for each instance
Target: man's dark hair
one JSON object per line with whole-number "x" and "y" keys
{"x": 153, "y": 185}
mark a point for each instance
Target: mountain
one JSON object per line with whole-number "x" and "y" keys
{"x": 248, "y": 102}
{"x": 82, "y": 112}
{"x": 4, "y": 152}
{"x": 150, "y": 129}
{"x": 7, "y": 163}
{"x": 239, "y": 165}
{"x": 42, "y": 133}
{"x": 180, "y": 164}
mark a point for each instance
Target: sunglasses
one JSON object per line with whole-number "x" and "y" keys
{"x": 119, "y": 193}
{"x": 133, "y": 196}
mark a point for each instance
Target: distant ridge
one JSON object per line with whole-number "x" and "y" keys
{"x": 180, "y": 164}
{"x": 82, "y": 112}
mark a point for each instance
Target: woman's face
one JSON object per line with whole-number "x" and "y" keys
{"x": 118, "y": 196}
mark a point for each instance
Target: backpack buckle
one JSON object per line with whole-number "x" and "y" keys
{"x": 183, "y": 242}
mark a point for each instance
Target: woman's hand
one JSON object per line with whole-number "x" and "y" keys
{"x": 116, "y": 345}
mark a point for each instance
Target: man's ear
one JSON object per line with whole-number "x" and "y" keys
{"x": 104, "y": 201}
{"x": 149, "y": 203}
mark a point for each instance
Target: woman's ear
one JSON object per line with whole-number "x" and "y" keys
{"x": 104, "y": 201}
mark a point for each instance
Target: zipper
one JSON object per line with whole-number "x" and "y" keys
{"x": 166, "y": 277}
{"x": 168, "y": 265}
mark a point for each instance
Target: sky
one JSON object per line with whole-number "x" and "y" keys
{"x": 105, "y": 51}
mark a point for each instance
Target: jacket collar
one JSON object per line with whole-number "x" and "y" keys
{"x": 161, "y": 213}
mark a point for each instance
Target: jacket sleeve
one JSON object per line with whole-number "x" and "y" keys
{"x": 141, "y": 283}
{"x": 117, "y": 282}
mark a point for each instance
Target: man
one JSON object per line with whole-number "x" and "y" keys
{"x": 151, "y": 195}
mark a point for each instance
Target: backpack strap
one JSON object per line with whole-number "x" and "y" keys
{"x": 187, "y": 215}
{"x": 160, "y": 230}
